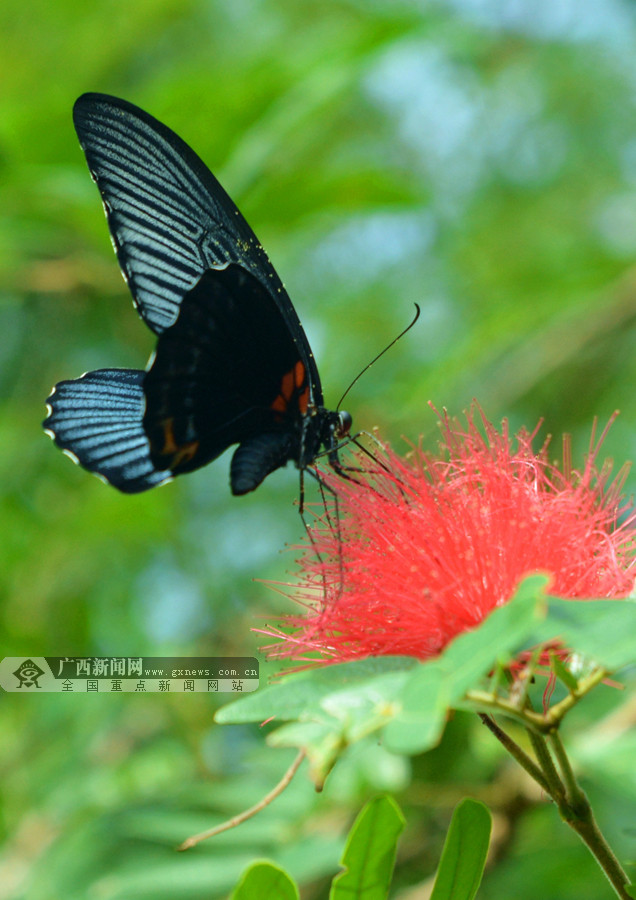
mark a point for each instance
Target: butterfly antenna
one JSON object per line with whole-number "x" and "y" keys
{"x": 381, "y": 353}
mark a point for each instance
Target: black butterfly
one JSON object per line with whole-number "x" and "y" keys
{"x": 232, "y": 364}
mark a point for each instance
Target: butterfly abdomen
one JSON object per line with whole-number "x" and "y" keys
{"x": 256, "y": 457}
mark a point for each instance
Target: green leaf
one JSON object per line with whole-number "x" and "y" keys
{"x": 563, "y": 673}
{"x": 464, "y": 854}
{"x": 419, "y": 720}
{"x": 344, "y": 704}
{"x": 507, "y": 629}
{"x": 301, "y": 694}
{"x": 342, "y": 718}
{"x": 601, "y": 629}
{"x": 369, "y": 855}
{"x": 323, "y": 744}
{"x": 437, "y": 685}
{"x": 264, "y": 879}
{"x": 333, "y": 707}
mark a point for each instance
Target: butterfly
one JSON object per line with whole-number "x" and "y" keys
{"x": 232, "y": 363}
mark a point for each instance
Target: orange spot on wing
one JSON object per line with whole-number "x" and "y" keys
{"x": 178, "y": 453}
{"x": 299, "y": 374}
{"x": 293, "y": 384}
{"x": 169, "y": 443}
{"x": 184, "y": 454}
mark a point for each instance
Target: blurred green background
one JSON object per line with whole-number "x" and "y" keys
{"x": 475, "y": 156}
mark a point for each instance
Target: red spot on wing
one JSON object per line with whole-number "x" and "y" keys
{"x": 294, "y": 388}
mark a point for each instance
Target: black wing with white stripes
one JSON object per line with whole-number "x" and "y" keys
{"x": 98, "y": 420}
{"x": 169, "y": 217}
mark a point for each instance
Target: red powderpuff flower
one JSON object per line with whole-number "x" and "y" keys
{"x": 426, "y": 547}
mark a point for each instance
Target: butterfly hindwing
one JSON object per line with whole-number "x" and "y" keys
{"x": 98, "y": 418}
{"x": 226, "y": 371}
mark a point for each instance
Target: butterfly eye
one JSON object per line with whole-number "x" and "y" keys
{"x": 344, "y": 423}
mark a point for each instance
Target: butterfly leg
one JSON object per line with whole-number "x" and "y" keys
{"x": 333, "y": 522}
{"x": 343, "y": 471}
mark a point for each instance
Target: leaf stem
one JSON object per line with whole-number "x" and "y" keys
{"x": 515, "y": 751}
{"x": 543, "y": 723}
{"x": 554, "y": 715}
{"x": 570, "y": 799}
{"x": 575, "y": 810}
{"x": 574, "y": 794}
{"x": 555, "y": 789}
{"x": 507, "y": 708}
{"x": 248, "y": 813}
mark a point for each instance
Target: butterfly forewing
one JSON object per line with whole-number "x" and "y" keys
{"x": 169, "y": 217}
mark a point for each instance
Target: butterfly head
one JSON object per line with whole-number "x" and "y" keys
{"x": 336, "y": 427}
{"x": 343, "y": 424}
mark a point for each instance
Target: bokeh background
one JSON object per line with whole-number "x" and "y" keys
{"x": 477, "y": 157}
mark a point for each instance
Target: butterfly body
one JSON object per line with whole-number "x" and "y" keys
{"x": 232, "y": 363}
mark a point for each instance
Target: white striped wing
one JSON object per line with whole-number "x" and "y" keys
{"x": 98, "y": 420}
{"x": 169, "y": 218}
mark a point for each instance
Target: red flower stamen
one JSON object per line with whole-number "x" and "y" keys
{"x": 426, "y": 547}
